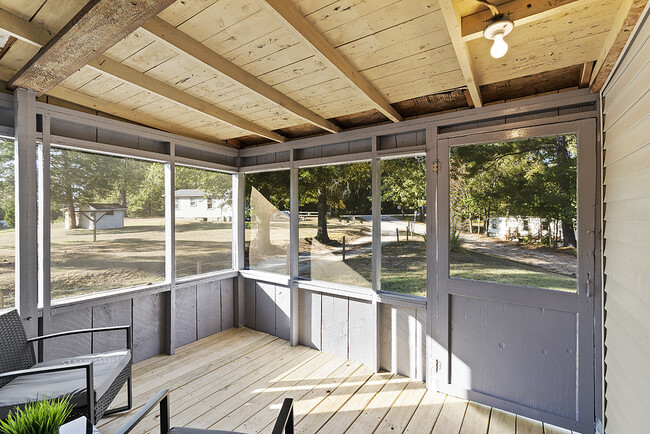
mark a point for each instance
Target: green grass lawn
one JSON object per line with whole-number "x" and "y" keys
{"x": 403, "y": 269}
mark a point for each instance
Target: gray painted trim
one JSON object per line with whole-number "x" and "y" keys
{"x": 138, "y": 130}
{"x": 44, "y": 228}
{"x": 432, "y": 258}
{"x": 376, "y": 254}
{"x": 263, "y": 276}
{"x": 26, "y": 210}
{"x": 294, "y": 240}
{"x": 238, "y": 224}
{"x": 170, "y": 252}
{"x": 563, "y": 99}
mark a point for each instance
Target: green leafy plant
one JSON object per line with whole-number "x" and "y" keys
{"x": 40, "y": 417}
{"x": 455, "y": 240}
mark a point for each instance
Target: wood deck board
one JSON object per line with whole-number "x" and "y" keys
{"x": 237, "y": 380}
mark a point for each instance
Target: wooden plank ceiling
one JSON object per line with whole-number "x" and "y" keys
{"x": 252, "y": 71}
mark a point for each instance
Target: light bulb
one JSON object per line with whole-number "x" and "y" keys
{"x": 499, "y": 48}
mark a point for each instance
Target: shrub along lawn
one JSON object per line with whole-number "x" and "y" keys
{"x": 403, "y": 269}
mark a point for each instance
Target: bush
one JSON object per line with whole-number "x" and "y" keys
{"x": 40, "y": 417}
{"x": 455, "y": 240}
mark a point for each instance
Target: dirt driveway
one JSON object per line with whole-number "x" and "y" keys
{"x": 559, "y": 260}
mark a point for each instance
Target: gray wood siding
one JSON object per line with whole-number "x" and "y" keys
{"x": 626, "y": 109}
{"x": 202, "y": 309}
{"x": 341, "y": 326}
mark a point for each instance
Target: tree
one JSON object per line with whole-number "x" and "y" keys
{"x": 403, "y": 182}
{"x": 7, "y": 186}
{"x": 334, "y": 189}
{"x": 529, "y": 177}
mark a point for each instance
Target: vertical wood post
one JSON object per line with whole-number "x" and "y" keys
{"x": 238, "y": 260}
{"x": 376, "y": 251}
{"x": 26, "y": 209}
{"x": 294, "y": 311}
{"x": 432, "y": 242}
{"x": 170, "y": 250}
{"x": 44, "y": 263}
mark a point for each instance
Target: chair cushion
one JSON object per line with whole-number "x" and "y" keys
{"x": 29, "y": 388}
{"x": 187, "y": 430}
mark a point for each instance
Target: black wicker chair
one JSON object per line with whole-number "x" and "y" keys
{"x": 23, "y": 380}
{"x": 283, "y": 424}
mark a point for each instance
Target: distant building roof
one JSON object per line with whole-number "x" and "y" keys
{"x": 98, "y": 207}
{"x": 190, "y": 192}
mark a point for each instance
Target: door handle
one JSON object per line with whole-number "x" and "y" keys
{"x": 588, "y": 286}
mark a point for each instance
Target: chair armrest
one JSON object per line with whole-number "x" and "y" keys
{"x": 127, "y": 328}
{"x": 284, "y": 423}
{"x": 161, "y": 397}
{"x": 87, "y": 366}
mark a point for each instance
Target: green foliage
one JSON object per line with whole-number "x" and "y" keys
{"x": 345, "y": 187}
{"x": 7, "y": 188}
{"x": 455, "y": 240}
{"x": 403, "y": 182}
{"x": 533, "y": 177}
{"x": 274, "y": 186}
{"x": 40, "y": 417}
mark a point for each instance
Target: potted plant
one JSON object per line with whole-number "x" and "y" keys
{"x": 40, "y": 417}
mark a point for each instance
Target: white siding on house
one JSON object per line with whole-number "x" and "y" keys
{"x": 626, "y": 123}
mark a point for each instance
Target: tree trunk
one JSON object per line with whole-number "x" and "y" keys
{"x": 568, "y": 234}
{"x": 72, "y": 218}
{"x": 123, "y": 199}
{"x": 322, "y": 235}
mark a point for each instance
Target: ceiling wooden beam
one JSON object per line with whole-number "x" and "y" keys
{"x": 23, "y": 29}
{"x": 97, "y": 26}
{"x": 520, "y": 12}
{"x": 175, "y": 95}
{"x": 585, "y": 74}
{"x": 452, "y": 20}
{"x": 124, "y": 113}
{"x": 625, "y": 19}
{"x": 293, "y": 20}
{"x": 27, "y": 31}
{"x": 180, "y": 41}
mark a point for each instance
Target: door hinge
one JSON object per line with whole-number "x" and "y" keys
{"x": 435, "y": 166}
{"x": 437, "y": 365}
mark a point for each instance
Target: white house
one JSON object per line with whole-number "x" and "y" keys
{"x": 193, "y": 204}
{"x": 104, "y": 215}
{"x": 519, "y": 227}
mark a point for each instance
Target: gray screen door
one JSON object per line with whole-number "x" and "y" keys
{"x": 515, "y": 321}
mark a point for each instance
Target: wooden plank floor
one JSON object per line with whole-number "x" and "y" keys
{"x": 237, "y": 379}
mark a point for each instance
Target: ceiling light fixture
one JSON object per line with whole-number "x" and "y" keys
{"x": 498, "y": 27}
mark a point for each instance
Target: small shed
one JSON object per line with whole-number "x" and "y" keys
{"x": 194, "y": 203}
{"x": 104, "y": 215}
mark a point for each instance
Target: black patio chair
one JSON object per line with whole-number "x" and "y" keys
{"x": 23, "y": 380}
{"x": 284, "y": 423}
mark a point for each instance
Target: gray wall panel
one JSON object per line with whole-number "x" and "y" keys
{"x": 335, "y": 325}
{"x": 283, "y": 305}
{"x": 249, "y": 297}
{"x": 310, "y": 319}
{"x": 385, "y": 338}
{"x": 405, "y": 343}
{"x": 208, "y": 309}
{"x": 185, "y": 315}
{"x": 265, "y": 307}
{"x": 148, "y": 326}
{"x": 361, "y": 319}
{"x": 112, "y": 314}
{"x": 69, "y": 345}
{"x": 227, "y": 305}
{"x": 521, "y": 345}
